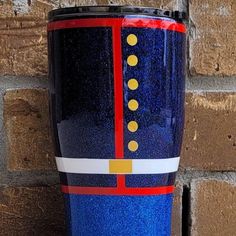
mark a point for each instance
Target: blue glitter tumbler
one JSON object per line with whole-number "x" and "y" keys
{"x": 117, "y": 104}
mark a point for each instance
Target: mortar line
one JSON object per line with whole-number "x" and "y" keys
{"x": 2, "y": 136}
{"x": 211, "y": 84}
{"x": 186, "y": 210}
{"x": 188, "y": 176}
{"x": 18, "y": 82}
{"x": 29, "y": 178}
{"x": 198, "y": 83}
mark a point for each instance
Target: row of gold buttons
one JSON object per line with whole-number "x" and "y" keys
{"x": 133, "y": 84}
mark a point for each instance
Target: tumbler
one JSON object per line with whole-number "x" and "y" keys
{"x": 117, "y": 105}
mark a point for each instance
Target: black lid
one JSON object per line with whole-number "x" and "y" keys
{"x": 69, "y": 12}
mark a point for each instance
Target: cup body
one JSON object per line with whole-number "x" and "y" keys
{"x": 117, "y": 105}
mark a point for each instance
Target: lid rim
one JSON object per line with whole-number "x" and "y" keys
{"x": 116, "y": 9}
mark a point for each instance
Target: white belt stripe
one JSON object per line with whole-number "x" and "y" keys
{"x": 102, "y": 166}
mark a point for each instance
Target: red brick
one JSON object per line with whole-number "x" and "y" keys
{"x": 212, "y": 41}
{"x": 210, "y": 138}
{"x": 26, "y": 120}
{"x": 213, "y": 208}
{"x": 23, "y": 36}
{"x": 31, "y": 211}
{"x": 23, "y": 43}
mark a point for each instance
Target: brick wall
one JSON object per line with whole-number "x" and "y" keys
{"x": 205, "y": 201}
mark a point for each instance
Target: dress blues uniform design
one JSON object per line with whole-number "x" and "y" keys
{"x": 117, "y": 95}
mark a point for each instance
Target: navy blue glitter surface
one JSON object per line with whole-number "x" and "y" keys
{"x": 84, "y": 92}
{"x": 81, "y": 71}
{"x": 84, "y": 95}
{"x": 118, "y": 215}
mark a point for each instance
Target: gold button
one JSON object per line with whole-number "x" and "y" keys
{"x": 133, "y": 105}
{"x": 132, "y": 60}
{"x": 132, "y": 126}
{"x": 133, "y": 146}
{"x": 132, "y": 39}
{"x": 133, "y": 84}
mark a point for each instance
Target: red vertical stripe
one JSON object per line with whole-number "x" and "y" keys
{"x": 118, "y": 92}
{"x": 121, "y": 183}
{"x": 118, "y": 99}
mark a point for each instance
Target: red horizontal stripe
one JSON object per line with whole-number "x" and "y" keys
{"x": 120, "y": 22}
{"x": 152, "y": 23}
{"x": 117, "y": 191}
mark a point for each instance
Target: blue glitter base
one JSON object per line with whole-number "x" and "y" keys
{"x": 92, "y": 215}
